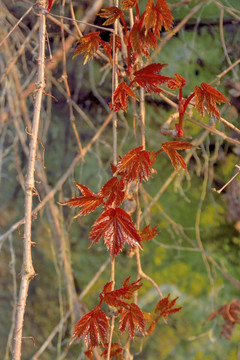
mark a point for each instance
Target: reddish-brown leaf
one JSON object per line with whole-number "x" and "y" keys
{"x": 147, "y": 234}
{"x": 128, "y": 4}
{"x": 115, "y": 352}
{"x": 114, "y": 190}
{"x": 136, "y": 165}
{"x": 212, "y": 97}
{"x": 89, "y": 201}
{"x": 116, "y": 226}
{"x": 129, "y": 289}
{"x": 134, "y": 318}
{"x": 171, "y": 147}
{"x": 165, "y": 307}
{"x": 108, "y": 50}
{"x": 155, "y": 17}
{"x": 120, "y": 97}
{"x": 142, "y": 40}
{"x": 111, "y": 13}
{"x": 88, "y": 44}
{"x": 148, "y": 78}
{"x": 89, "y": 354}
{"x": 113, "y": 297}
{"x": 118, "y": 42}
{"x": 177, "y": 82}
{"x": 93, "y": 327}
{"x": 230, "y": 312}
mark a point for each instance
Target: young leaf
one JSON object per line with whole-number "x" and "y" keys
{"x": 147, "y": 234}
{"x": 115, "y": 352}
{"x": 142, "y": 40}
{"x": 114, "y": 190}
{"x": 171, "y": 147}
{"x": 116, "y": 226}
{"x": 134, "y": 318}
{"x": 128, "y": 4}
{"x": 89, "y": 201}
{"x": 120, "y": 97}
{"x": 212, "y": 97}
{"x": 88, "y": 44}
{"x": 93, "y": 327}
{"x": 165, "y": 307}
{"x": 136, "y": 165}
{"x": 155, "y": 17}
{"x": 113, "y": 298}
{"x": 118, "y": 42}
{"x": 129, "y": 289}
{"x": 148, "y": 78}
{"x": 111, "y": 13}
{"x": 176, "y": 83}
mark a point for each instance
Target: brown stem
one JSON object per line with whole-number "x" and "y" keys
{"x": 28, "y": 272}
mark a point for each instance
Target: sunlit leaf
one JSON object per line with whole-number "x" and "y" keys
{"x": 157, "y": 16}
{"x": 120, "y": 97}
{"x": 141, "y": 40}
{"x": 116, "y": 227}
{"x": 128, "y": 4}
{"x": 88, "y": 44}
{"x": 111, "y": 13}
{"x": 88, "y": 201}
{"x": 171, "y": 148}
{"x": 114, "y": 191}
{"x": 148, "y": 234}
{"x": 177, "y": 82}
{"x": 93, "y": 327}
{"x": 212, "y": 97}
{"x": 133, "y": 318}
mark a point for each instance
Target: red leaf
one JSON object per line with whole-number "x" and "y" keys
{"x": 142, "y": 40}
{"x": 118, "y": 42}
{"x": 93, "y": 327}
{"x": 212, "y": 97}
{"x": 136, "y": 165}
{"x": 111, "y": 13}
{"x": 128, "y": 4}
{"x": 134, "y": 318}
{"x": 165, "y": 308}
{"x": 176, "y": 83}
{"x": 116, "y": 226}
{"x": 120, "y": 97}
{"x": 49, "y": 5}
{"x": 115, "y": 352}
{"x": 89, "y": 201}
{"x": 155, "y": 17}
{"x": 148, "y": 234}
{"x": 171, "y": 147}
{"x": 148, "y": 78}
{"x": 108, "y": 50}
{"x": 114, "y": 189}
{"x": 89, "y": 44}
{"x": 230, "y": 313}
{"x": 129, "y": 289}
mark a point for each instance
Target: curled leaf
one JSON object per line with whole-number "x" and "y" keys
{"x": 120, "y": 97}
{"x": 171, "y": 147}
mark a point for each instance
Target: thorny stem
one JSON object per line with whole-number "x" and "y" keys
{"x": 28, "y": 272}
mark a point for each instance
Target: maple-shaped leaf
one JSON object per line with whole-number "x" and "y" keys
{"x": 128, "y": 4}
{"x": 171, "y": 147}
{"x": 114, "y": 190}
{"x": 212, "y": 97}
{"x": 113, "y": 297}
{"x": 148, "y": 78}
{"x": 111, "y": 13}
{"x": 136, "y": 165}
{"x": 93, "y": 327}
{"x": 88, "y": 44}
{"x": 129, "y": 289}
{"x": 89, "y": 201}
{"x": 142, "y": 40}
{"x": 120, "y": 97}
{"x": 177, "y": 82}
{"x": 116, "y": 227}
{"x": 115, "y": 352}
{"x": 155, "y": 17}
{"x": 165, "y": 307}
{"x": 49, "y": 5}
{"x": 134, "y": 318}
{"x": 147, "y": 234}
{"x": 230, "y": 312}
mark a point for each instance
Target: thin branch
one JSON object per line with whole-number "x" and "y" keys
{"x": 27, "y": 267}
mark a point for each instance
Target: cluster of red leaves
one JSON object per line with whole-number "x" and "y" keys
{"x": 177, "y": 82}
{"x": 141, "y": 40}
{"x": 230, "y": 313}
{"x": 212, "y": 97}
